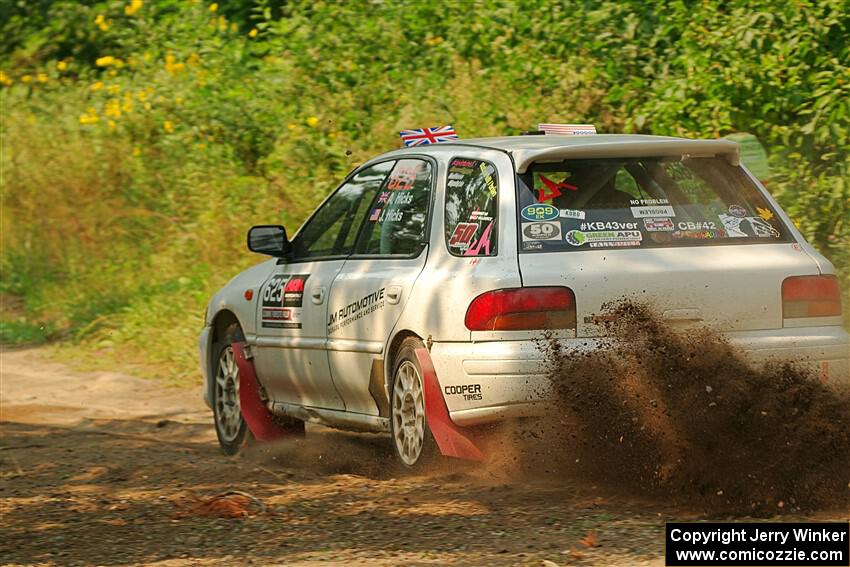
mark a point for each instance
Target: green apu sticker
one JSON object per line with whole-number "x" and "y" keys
{"x": 753, "y": 154}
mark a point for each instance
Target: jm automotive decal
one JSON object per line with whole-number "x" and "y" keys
{"x": 356, "y": 310}
{"x": 283, "y": 298}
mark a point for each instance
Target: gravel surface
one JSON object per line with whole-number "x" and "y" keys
{"x": 123, "y": 483}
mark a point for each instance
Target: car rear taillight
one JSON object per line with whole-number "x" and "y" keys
{"x": 523, "y": 309}
{"x": 810, "y": 296}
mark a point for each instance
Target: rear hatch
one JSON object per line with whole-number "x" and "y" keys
{"x": 692, "y": 236}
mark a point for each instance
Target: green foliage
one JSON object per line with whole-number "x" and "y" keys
{"x": 141, "y": 139}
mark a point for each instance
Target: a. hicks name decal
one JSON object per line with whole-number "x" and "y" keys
{"x": 355, "y": 311}
{"x": 283, "y": 298}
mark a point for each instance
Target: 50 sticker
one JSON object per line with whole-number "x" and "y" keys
{"x": 541, "y": 231}
{"x": 463, "y": 234}
{"x": 540, "y": 212}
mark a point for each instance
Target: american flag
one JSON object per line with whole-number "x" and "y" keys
{"x": 376, "y": 214}
{"x": 422, "y": 136}
{"x": 568, "y": 129}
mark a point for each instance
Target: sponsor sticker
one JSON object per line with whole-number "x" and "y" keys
{"x": 637, "y": 202}
{"x": 697, "y": 225}
{"x": 737, "y": 211}
{"x": 469, "y": 392}
{"x": 540, "y": 212}
{"x": 626, "y": 237}
{"x": 535, "y": 245}
{"x": 609, "y": 225}
{"x": 658, "y": 224}
{"x": 653, "y": 211}
{"x": 541, "y": 231}
{"x": 748, "y": 226}
{"x": 463, "y": 234}
{"x": 766, "y": 214}
{"x": 572, "y": 214}
{"x": 355, "y": 311}
{"x": 707, "y": 234}
{"x": 282, "y": 300}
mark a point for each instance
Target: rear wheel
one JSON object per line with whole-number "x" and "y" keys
{"x": 230, "y": 427}
{"x": 414, "y": 446}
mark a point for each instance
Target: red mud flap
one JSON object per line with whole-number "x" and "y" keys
{"x": 260, "y": 420}
{"x": 452, "y": 440}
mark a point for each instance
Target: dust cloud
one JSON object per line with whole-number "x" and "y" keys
{"x": 683, "y": 416}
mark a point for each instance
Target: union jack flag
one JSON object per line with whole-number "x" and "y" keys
{"x": 422, "y": 136}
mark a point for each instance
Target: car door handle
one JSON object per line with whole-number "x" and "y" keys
{"x": 318, "y": 295}
{"x": 394, "y": 294}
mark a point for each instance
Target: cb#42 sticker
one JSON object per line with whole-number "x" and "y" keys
{"x": 541, "y": 231}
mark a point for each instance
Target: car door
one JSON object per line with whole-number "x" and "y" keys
{"x": 290, "y": 349}
{"x": 370, "y": 292}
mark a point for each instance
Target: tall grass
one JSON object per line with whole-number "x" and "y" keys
{"x": 140, "y": 140}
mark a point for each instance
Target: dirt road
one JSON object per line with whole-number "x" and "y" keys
{"x": 112, "y": 469}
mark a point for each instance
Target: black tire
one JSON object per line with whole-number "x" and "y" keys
{"x": 230, "y": 427}
{"x": 407, "y": 415}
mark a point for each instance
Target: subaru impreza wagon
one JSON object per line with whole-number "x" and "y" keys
{"x": 413, "y": 299}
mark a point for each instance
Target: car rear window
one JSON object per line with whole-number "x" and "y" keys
{"x": 641, "y": 203}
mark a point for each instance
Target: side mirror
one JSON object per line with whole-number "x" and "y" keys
{"x": 268, "y": 239}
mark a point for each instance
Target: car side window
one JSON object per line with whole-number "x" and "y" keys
{"x": 472, "y": 191}
{"x": 398, "y": 217}
{"x": 330, "y": 231}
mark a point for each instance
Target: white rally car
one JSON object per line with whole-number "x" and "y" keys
{"x": 410, "y": 301}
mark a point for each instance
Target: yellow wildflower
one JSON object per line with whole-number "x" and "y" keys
{"x": 127, "y": 105}
{"x": 105, "y": 61}
{"x": 142, "y": 96}
{"x": 5, "y": 80}
{"x": 222, "y": 24}
{"x": 193, "y": 59}
{"x": 133, "y": 7}
{"x": 214, "y": 7}
{"x": 201, "y": 147}
{"x": 137, "y": 151}
{"x": 96, "y": 86}
{"x": 172, "y": 65}
{"x": 100, "y": 21}
{"x": 26, "y": 79}
{"x": 111, "y": 124}
{"x": 292, "y": 126}
{"x": 41, "y": 77}
{"x": 312, "y": 121}
{"x": 168, "y": 126}
{"x": 113, "y": 73}
{"x": 234, "y": 28}
{"x": 253, "y": 33}
{"x": 147, "y": 106}
{"x": 61, "y": 66}
{"x": 113, "y": 89}
{"x": 90, "y": 117}
{"x": 112, "y": 108}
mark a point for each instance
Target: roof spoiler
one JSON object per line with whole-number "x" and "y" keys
{"x": 601, "y": 148}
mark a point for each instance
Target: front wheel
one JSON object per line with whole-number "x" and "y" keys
{"x": 230, "y": 427}
{"x": 412, "y": 440}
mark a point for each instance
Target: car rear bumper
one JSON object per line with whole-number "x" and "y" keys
{"x": 493, "y": 380}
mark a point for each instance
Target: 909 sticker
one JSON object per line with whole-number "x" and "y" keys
{"x": 540, "y": 212}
